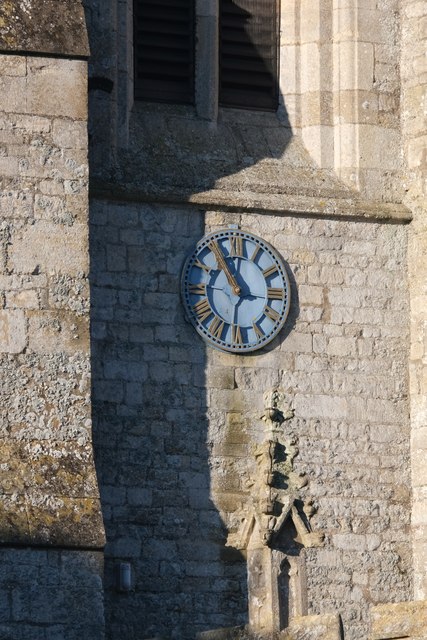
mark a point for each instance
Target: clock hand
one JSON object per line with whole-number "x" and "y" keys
{"x": 222, "y": 264}
{"x": 254, "y": 295}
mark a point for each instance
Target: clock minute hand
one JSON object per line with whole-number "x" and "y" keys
{"x": 223, "y": 265}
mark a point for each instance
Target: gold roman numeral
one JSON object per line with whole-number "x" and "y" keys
{"x": 236, "y": 334}
{"x": 216, "y": 327}
{"x": 255, "y": 253}
{"x": 213, "y": 246}
{"x": 258, "y": 331}
{"x": 270, "y": 271}
{"x": 236, "y": 246}
{"x": 202, "y": 309}
{"x": 271, "y": 313}
{"x": 275, "y": 293}
{"x": 201, "y": 265}
{"x": 197, "y": 289}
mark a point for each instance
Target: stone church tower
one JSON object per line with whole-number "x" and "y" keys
{"x": 153, "y": 486}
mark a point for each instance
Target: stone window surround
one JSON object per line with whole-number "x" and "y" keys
{"x": 326, "y": 84}
{"x": 206, "y": 66}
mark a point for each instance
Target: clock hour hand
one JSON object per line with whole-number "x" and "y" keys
{"x": 222, "y": 264}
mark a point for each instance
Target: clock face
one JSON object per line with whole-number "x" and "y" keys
{"x": 235, "y": 290}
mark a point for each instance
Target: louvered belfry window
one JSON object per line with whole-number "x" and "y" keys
{"x": 164, "y": 50}
{"x": 248, "y": 54}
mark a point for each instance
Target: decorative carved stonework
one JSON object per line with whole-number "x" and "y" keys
{"x": 275, "y": 524}
{"x": 275, "y": 488}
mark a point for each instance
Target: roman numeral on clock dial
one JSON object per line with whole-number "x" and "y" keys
{"x": 271, "y": 313}
{"x": 269, "y": 272}
{"x": 258, "y": 331}
{"x": 197, "y": 289}
{"x": 216, "y": 327}
{"x": 236, "y": 334}
{"x": 202, "y": 309}
{"x": 255, "y": 253}
{"x": 275, "y": 293}
{"x": 202, "y": 265}
{"x": 236, "y": 246}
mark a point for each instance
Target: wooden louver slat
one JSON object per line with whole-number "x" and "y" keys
{"x": 163, "y": 50}
{"x": 248, "y": 54}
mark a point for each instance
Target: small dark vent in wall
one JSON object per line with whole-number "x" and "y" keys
{"x": 164, "y": 50}
{"x": 248, "y": 54}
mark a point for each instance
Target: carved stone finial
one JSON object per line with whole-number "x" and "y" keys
{"x": 274, "y": 485}
{"x": 276, "y": 410}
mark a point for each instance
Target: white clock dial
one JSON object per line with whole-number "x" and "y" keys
{"x": 235, "y": 290}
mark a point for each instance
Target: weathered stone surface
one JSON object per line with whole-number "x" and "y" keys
{"x": 174, "y": 423}
{"x": 13, "y": 334}
{"x": 41, "y": 589}
{"x": 43, "y": 26}
{"x": 400, "y": 620}
{"x": 167, "y": 396}
{"x": 49, "y": 492}
{"x": 323, "y": 627}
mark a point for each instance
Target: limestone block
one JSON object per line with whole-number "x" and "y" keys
{"x": 31, "y": 124}
{"x": 319, "y": 141}
{"x": 342, "y": 346}
{"x": 13, "y": 337}
{"x": 13, "y": 65}
{"x": 419, "y": 515}
{"x": 8, "y": 166}
{"x": 288, "y": 70}
{"x": 13, "y": 92}
{"x": 69, "y": 134}
{"x": 297, "y": 343}
{"x": 311, "y": 23}
{"x": 372, "y": 140}
{"x": 386, "y": 77}
{"x": 355, "y": 107}
{"x": 415, "y": 9}
{"x": 356, "y": 542}
{"x": 345, "y": 54}
{"x": 417, "y": 152}
{"x": 322, "y": 627}
{"x": 320, "y": 407}
{"x": 401, "y": 620}
{"x": 16, "y": 204}
{"x": 310, "y": 67}
{"x": 288, "y": 23}
{"x": 44, "y": 75}
{"x": 56, "y": 332}
{"x": 49, "y": 247}
{"x": 27, "y": 299}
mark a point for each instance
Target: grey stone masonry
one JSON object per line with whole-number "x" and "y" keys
{"x": 49, "y": 489}
{"x": 176, "y": 421}
{"x": 49, "y": 498}
{"x": 41, "y": 592}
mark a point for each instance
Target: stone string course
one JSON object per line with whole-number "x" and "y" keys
{"x": 176, "y": 421}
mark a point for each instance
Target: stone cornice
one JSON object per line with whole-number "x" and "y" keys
{"x": 43, "y": 27}
{"x": 263, "y": 203}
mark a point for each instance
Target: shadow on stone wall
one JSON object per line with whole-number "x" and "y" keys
{"x": 149, "y": 368}
{"x": 150, "y": 430}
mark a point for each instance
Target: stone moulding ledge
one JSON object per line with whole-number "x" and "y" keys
{"x": 52, "y": 27}
{"x": 250, "y": 202}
